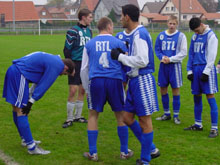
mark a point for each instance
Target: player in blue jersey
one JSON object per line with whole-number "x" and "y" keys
{"x": 141, "y": 94}
{"x": 39, "y": 68}
{"x": 170, "y": 48}
{"x": 76, "y": 39}
{"x": 202, "y": 73}
{"x": 102, "y": 80}
{"x": 124, "y": 36}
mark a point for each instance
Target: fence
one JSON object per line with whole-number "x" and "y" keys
{"x": 60, "y": 26}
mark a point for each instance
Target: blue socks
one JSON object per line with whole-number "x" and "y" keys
{"x": 92, "y": 138}
{"x": 123, "y": 136}
{"x": 16, "y": 123}
{"x": 146, "y": 142}
{"x": 214, "y": 113}
{"x": 25, "y": 131}
{"x": 198, "y": 110}
{"x": 176, "y": 105}
{"x": 165, "y": 102}
{"x": 136, "y": 129}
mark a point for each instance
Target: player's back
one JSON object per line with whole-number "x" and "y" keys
{"x": 99, "y": 53}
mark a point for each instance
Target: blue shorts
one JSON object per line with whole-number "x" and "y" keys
{"x": 198, "y": 86}
{"x": 124, "y": 73}
{"x": 170, "y": 74}
{"x": 16, "y": 90}
{"x": 142, "y": 95}
{"x": 106, "y": 89}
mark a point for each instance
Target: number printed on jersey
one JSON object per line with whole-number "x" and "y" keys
{"x": 103, "y": 60}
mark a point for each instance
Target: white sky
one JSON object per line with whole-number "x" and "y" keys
{"x": 36, "y": 2}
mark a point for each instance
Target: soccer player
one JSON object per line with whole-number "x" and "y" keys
{"x": 124, "y": 36}
{"x": 170, "y": 48}
{"x": 76, "y": 39}
{"x": 141, "y": 94}
{"x": 102, "y": 80}
{"x": 39, "y": 68}
{"x": 202, "y": 73}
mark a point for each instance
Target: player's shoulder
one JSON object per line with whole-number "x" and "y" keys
{"x": 73, "y": 30}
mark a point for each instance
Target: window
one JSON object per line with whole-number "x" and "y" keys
{"x": 184, "y": 16}
{"x": 167, "y": 8}
{"x": 43, "y": 13}
{"x": 172, "y": 8}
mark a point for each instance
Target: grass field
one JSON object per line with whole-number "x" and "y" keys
{"x": 177, "y": 147}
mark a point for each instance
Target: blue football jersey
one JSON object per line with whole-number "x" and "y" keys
{"x": 124, "y": 38}
{"x": 142, "y": 33}
{"x": 40, "y": 68}
{"x": 168, "y": 45}
{"x": 99, "y": 54}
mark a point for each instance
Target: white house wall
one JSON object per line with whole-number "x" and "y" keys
{"x": 100, "y": 11}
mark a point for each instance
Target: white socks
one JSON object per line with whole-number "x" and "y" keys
{"x": 70, "y": 107}
{"x": 78, "y": 111}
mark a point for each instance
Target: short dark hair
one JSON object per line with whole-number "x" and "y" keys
{"x": 83, "y": 12}
{"x": 103, "y": 23}
{"x": 70, "y": 64}
{"x": 132, "y": 11}
{"x": 194, "y": 23}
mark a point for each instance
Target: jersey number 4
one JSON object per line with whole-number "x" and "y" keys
{"x": 103, "y": 60}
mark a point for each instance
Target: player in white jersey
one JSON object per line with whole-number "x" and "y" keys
{"x": 141, "y": 94}
{"x": 171, "y": 49}
{"x": 102, "y": 80}
{"x": 202, "y": 73}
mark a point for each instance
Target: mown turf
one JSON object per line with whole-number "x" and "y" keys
{"x": 177, "y": 147}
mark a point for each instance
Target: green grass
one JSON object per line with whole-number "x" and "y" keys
{"x": 67, "y": 145}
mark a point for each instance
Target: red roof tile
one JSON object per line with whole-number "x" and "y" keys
{"x": 91, "y": 4}
{"x": 189, "y": 6}
{"x": 155, "y": 16}
{"x": 24, "y": 11}
{"x": 211, "y": 16}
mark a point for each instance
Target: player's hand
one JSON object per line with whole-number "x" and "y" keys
{"x": 114, "y": 54}
{"x": 190, "y": 77}
{"x": 27, "y": 108}
{"x": 120, "y": 50}
{"x": 204, "y": 77}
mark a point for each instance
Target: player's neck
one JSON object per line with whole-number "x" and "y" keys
{"x": 104, "y": 32}
{"x": 132, "y": 26}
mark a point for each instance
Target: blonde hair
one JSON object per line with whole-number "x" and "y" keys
{"x": 172, "y": 17}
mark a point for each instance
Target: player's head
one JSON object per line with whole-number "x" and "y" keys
{"x": 105, "y": 24}
{"x": 129, "y": 12}
{"x": 69, "y": 67}
{"x": 172, "y": 23}
{"x": 85, "y": 17}
{"x": 196, "y": 25}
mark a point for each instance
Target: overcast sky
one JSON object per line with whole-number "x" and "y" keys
{"x": 36, "y": 2}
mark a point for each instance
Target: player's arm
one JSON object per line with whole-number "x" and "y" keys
{"x": 51, "y": 72}
{"x": 71, "y": 37}
{"x": 190, "y": 58}
{"x": 157, "y": 48}
{"x": 84, "y": 73}
{"x": 183, "y": 50}
{"x": 139, "y": 58}
{"x": 211, "y": 53}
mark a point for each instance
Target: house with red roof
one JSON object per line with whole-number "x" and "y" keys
{"x": 211, "y": 16}
{"x": 189, "y": 9}
{"x": 25, "y": 14}
{"x": 147, "y": 18}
